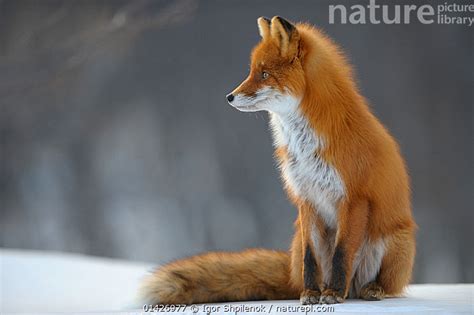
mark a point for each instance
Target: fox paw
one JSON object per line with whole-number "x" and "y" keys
{"x": 372, "y": 292}
{"x": 310, "y": 297}
{"x": 330, "y": 296}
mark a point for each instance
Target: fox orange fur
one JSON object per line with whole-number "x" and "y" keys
{"x": 355, "y": 234}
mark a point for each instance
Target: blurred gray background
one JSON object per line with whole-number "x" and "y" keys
{"x": 116, "y": 139}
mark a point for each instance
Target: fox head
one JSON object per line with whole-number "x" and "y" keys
{"x": 276, "y": 80}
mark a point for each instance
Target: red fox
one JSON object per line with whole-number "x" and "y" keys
{"x": 355, "y": 233}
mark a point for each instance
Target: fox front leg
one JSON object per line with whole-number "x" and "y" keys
{"x": 311, "y": 271}
{"x": 352, "y": 224}
{"x": 311, "y": 293}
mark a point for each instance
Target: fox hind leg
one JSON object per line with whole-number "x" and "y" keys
{"x": 394, "y": 262}
{"x": 366, "y": 268}
{"x": 372, "y": 291}
{"x": 397, "y": 264}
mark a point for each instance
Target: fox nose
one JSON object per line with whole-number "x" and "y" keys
{"x": 230, "y": 97}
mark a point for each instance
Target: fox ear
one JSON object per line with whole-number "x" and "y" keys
{"x": 286, "y": 35}
{"x": 264, "y": 27}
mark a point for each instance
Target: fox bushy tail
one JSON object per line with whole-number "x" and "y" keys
{"x": 255, "y": 274}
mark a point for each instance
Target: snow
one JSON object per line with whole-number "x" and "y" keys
{"x": 47, "y": 282}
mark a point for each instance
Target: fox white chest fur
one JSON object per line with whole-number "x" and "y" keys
{"x": 305, "y": 171}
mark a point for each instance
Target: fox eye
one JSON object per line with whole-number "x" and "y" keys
{"x": 265, "y": 75}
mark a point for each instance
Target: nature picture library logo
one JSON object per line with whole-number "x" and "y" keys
{"x": 448, "y": 13}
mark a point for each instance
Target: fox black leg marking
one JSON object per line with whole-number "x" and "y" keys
{"x": 335, "y": 292}
{"x": 338, "y": 276}
{"x": 310, "y": 269}
{"x": 311, "y": 292}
